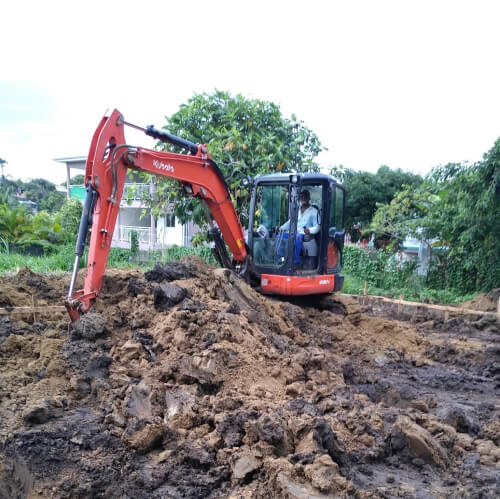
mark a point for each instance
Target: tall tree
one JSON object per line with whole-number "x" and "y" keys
{"x": 458, "y": 206}
{"x": 244, "y": 137}
{"x": 468, "y": 216}
{"x": 75, "y": 180}
{"x": 43, "y": 193}
{"x": 366, "y": 190}
{"x": 40, "y": 191}
{"x": 406, "y": 215}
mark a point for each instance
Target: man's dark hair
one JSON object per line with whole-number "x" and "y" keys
{"x": 305, "y": 193}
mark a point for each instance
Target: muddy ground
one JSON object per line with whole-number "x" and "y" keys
{"x": 187, "y": 383}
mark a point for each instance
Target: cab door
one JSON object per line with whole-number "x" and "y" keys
{"x": 270, "y": 209}
{"x": 336, "y": 229}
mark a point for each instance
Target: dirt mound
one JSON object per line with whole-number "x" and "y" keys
{"x": 23, "y": 288}
{"x": 486, "y": 302}
{"x": 185, "y": 382}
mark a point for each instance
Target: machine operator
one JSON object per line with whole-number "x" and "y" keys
{"x": 308, "y": 225}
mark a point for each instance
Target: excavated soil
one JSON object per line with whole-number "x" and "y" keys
{"x": 185, "y": 382}
{"x": 486, "y": 302}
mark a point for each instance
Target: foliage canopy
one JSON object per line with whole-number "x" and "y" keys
{"x": 70, "y": 214}
{"x": 366, "y": 190}
{"x": 40, "y": 191}
{"x": 244, "y": 137}
{"x": 75, "y": 180}
{"x": 458, "y": 208}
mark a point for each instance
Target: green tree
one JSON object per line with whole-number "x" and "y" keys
{"x": 406, "y": 215}
{"x": 43, "y": 193}
{"x": 7, "y": 194}
{"x": 40, "y": 191}
{"x": 365, "y": 191}
{"x": 46, "y": 227}
{"x": 467, "y": 217}
{"x": 337, "y": 171}
{"x": 244, "y": 137}
{"x": 75, "y": 180}
{"x": 15, "y": 226}
{"x": 458, "y": 207}
{"x": 69, "y": 218}
{"x": 22, "y": 231}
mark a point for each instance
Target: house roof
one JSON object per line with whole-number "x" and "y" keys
{"x": 71, "y": 159}
{"x": 77, "y": 162}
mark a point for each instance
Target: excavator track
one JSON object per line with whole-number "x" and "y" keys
{"x": 336, "y": 303}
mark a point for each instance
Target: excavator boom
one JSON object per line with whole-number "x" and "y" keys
{"x": 105, "y": 172}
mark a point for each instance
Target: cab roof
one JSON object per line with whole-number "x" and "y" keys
{"x": 285, "y": 177}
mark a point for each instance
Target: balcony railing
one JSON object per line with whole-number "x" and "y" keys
{"x": 132, "y": 192}
{"x": 143, "y": 233}
{"x": 136, "y": 192}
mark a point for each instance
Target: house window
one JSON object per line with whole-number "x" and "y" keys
{"x": 169, "y": 220}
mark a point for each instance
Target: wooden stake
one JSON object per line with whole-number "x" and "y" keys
{"x": 33, "y": 306}
{"x": 452, "y": 310}
{"x": 31, "y": 309}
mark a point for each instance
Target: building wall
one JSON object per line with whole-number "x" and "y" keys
{"x": 161, "y": 236}
{"x": 168, "y": 236}
{"x": 166, "y": 232}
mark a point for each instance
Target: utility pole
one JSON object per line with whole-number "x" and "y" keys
{"x": 2, "y": 163}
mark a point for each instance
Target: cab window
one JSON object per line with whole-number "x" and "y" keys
{"x": 270, "y": 248}
{"x": 335, "y": 227}
{"x": 339, "y": 208}
{"x": 336, "y": 216}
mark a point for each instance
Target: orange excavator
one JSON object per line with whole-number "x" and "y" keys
{"x": 290, "y": 249}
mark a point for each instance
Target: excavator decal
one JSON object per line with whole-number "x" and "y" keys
{"x": 160, "y": 165}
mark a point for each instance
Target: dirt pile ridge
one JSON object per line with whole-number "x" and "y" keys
{"x": 486, "y": 302}
{"x": 185, "y": 382}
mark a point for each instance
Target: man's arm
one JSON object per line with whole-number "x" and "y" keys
{"x": 285, "y": 226}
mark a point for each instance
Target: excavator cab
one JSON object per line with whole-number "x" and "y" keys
{"x": 296, "y": 233}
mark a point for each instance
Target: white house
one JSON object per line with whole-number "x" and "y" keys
{"x": 134, "y": 215}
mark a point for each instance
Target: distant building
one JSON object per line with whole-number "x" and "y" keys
{"x": 420, "y": 250}
{"x": 134, "y": 215}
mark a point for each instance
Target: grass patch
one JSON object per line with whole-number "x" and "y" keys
{"x": 61, "y": 260}
{"x": 386, "y": 276}
{"x": 412, "y": 287}
{"x": 355, "y": 286}
{"x": 57, "y": 262}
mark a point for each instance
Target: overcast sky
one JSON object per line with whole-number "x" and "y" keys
{"x": 407, "y": 84}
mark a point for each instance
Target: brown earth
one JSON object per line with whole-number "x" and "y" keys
{"x": 187, "y": 383}
{"x": 487, "y": 302}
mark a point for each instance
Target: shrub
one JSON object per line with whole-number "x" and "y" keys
{"x": 134, "y": 243}
{"x": 366, "y": 264}
{"x": 70, "y": 216}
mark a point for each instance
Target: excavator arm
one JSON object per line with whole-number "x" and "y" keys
{"x": 105, "y": 173}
